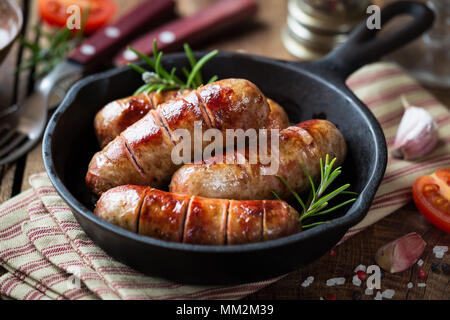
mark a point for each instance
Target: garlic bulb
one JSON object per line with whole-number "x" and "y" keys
{"x": 417, "y": 134}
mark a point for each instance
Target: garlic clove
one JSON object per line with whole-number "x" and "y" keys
{"x": 400, "y": 254}
{"x": 417, "y": 134}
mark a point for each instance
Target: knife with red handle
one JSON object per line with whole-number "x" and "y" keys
{"x": 109, "y": 39}
{"x": 192, "y": 29}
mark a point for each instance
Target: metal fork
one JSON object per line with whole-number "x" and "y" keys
{"x": 32, "y": 115}
{"x": 17, "y": 140}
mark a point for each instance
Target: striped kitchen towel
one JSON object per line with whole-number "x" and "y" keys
{"x": 48, "y": 256}
{"x": 381, "y": 86}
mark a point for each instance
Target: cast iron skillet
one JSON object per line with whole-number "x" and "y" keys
{"x": 306, "y": 90}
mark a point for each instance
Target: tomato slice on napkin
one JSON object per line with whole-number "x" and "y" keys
{"x": 432, "y": 197}
{"x": 54, "y": 12}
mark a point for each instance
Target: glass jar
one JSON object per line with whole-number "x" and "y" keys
{"x": 314, "y": 27}
{"x": 428, "y": 59}
{"x": 336, "y": 8}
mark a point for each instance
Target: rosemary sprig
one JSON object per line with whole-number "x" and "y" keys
{"x": 318, "y": 199}
{"x": 45, "y": 58}
{"x": 161, "y": 80}
{"x": 58, "y": 44}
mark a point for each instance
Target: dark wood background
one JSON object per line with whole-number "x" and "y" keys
{"x": 262, "y": 37}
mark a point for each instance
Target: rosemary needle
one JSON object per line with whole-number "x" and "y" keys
{"x": 46, "y": 58}
{"x": 59, "y": 44}
{"x": 318, "y": 200}
{"x": 161, "y": 80}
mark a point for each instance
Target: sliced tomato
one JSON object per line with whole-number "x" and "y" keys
{"x": 54, "y": 12}
{"x": 432, "y": 197}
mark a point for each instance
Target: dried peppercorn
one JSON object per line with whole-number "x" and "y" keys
{"x": 362, "y": 275}
{"x": 356, "y": 295}
{"x": 435, "y": 268}
{"x": 332, "y": 297}
{"x": 422, "y": 274}
{"x": 445, "y": 268}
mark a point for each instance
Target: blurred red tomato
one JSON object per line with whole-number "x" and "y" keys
{"x": 99, "y": 12}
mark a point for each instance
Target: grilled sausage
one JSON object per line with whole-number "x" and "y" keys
{"x": 305, "y": 143}
{"x": 118, "y": 115}
{"x": 190, "y": 219}
{"x": 141, "y": 154}
{"x": 278, "y": 118}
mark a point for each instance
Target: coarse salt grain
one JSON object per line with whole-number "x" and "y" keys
{"x": 307, "y": 282}
{"x": 379, "y": 296}
{"x": 440, "y": 248}
{"x": 439, "y": 251}
{"x": 331, "y": 282}
{"x": 356, "y": 281}
{"x": 368, "y": 292}
{"x": 361, "y": 267}
{"x": 335, "y": 282}
{"x": 388, "y": 294}
{"x": 410, "y": 285}
{"x": 420, "y": 262}
{"x": 421, "y": 285}
{"x": 439, "y": 255}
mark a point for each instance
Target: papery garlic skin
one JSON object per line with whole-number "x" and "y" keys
{"x": 417, "y": 134}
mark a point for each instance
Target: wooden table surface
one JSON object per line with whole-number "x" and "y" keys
{"x": 262, "y": 37}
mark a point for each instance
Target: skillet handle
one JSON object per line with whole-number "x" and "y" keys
{"x": 364, "y": 47}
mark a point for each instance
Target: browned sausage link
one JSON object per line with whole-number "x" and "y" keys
{"x": 179, "y": 218}
{"x": 245, "y": 222}
{"x": 305, "y": 143}
{"x": 206, "y": 221}
{"x": 118, "y": 115}
{"x": 142, "y": 153}
{"x": 278, "y": 118}
{"x": 163, "y": 215}
{"x": 121, "y": 206}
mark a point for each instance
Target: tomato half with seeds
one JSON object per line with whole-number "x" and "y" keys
{"x": 432, "y": 197}
{"x": 54, "y": 12}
